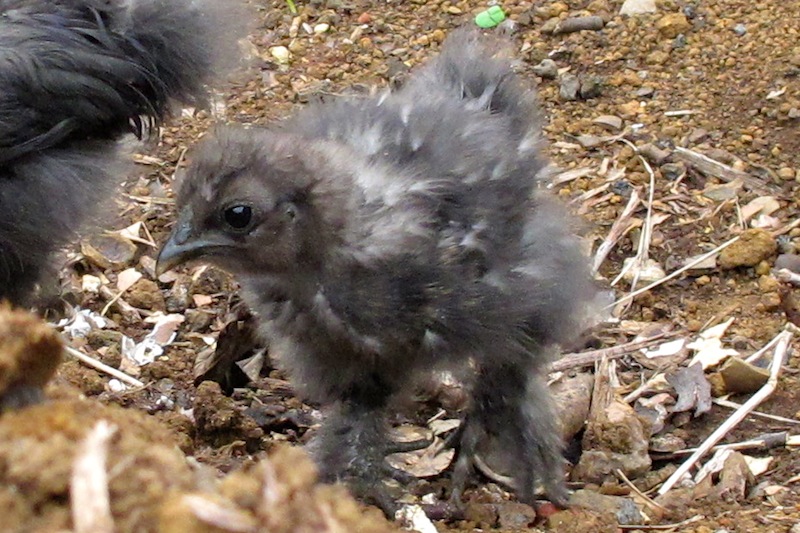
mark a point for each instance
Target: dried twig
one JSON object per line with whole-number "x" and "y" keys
{"x": 662, "y": 527}
{"x": 776, "y": 418}
{"x": 151, "y": 199}
{"x": 755, "y": 356}
{"x": 102, "y": 367}
{"x": 574, "y": 24}
{"x": 126, "y": 308}
{"x": 714, "y": 168}
{"x": 498, "y": 478}
{"x": 764, "y": 442}
{"x": 648, "y": 501}
{"x": 676, "y": 273}
{"x": 569, "y": 175}
{"x": 643, "y": 249}
{"x": 644, "y": 387}
{"x": 786, "y": 229}
{"x": 778, "y": 357}
{"x": 576, "y": 360}
{"x": 681, "y": 113}
{"x": 787, "y": 276}
{"x": 89, "y": 499}
{"x": 618, "y": 230}
{"x": 590, "y": 194}
{"x": 218, "y": 515}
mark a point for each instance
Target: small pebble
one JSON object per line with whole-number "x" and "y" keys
{"x": 622, "y": 188}
{"x": 788, "y": 261}
{"x": 753, "y": 247}
{"x": 591, "y": 87}
{"x": 703, "y": 280}
{"x": 637, "y": 7}
{"x": 546, "y": 69}
{"x": 672, "y": 24}
{"x": 570, "y": 85}
{"x": 673, "y": 171}
{"x": 611, "y": 122}
{"x": 740, "y": 29}
{"x": 280, "y": 54}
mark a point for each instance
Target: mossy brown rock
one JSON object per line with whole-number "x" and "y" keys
{"x": 279, "y": 494}
{"x": 753, "y": 246}
{"x": 38, "y": 448}
{"x": 30, "y": 352}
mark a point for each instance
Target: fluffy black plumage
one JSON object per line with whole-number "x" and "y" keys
{"x": 75, "y": 75}
{"x": 377, "y": 238}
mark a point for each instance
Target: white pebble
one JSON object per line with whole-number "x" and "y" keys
{"x": 280, "y": 53}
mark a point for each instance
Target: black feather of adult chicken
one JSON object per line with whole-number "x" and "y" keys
{"x": 379, "y": 238}
{"x": 75, "y": 76}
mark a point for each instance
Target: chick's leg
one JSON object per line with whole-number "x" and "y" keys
{"x": 352, "y": 445}
{"x": 511, "y": 413}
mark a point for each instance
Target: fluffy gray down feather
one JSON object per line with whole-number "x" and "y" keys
{"x": 395, "y": 234}
{"x": 75, "y": 76}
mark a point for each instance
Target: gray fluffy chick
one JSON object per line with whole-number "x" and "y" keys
{"x": 75, "y": 76}
{"x": 379, "y": 238}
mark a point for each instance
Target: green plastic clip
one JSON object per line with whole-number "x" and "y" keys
{"x": 490, "y": 17}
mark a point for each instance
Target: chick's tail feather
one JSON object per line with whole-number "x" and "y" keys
{"x": 478, "y": 69}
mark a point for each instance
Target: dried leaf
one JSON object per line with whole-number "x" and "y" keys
{"x": 91, "y": 284}
{"x": 127, "y": 278}
{"x": 648, "y": 271}
{"x": 219, "y": 514}
{"x": 133, "y": 234}
{"x": 163, "y": 332}
{"x": 427, "y": 462}
{"x": 202, "y": 300}
{"x": 694, "y": 390}
{"x": 253, "y": 365}
{"x": 763, "y": 205}
{"x": 724, "y": 191}
{"x": 654, "y": 409}
{"x": 776, "y": 93}
{"x": 413, "y": 518}
{"x": 440, "y": 427}
{"x": 236, "y": 342}
{"x": 758, "y": 465}
{"x": 666, "y": 349}
{"x": 109, "y": 251}
{"x": 81, "y": 323}
{"x": 709, "y": 263}
{"x": 709, "y": 346}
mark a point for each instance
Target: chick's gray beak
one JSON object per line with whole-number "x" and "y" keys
{"x": 179, "y": 248}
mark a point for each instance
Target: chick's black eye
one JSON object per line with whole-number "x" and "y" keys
{"x": 238, "y": 216}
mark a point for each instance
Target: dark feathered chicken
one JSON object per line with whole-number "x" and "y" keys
{"x": 75, "y": 75}
{"x": 377, "y": 238}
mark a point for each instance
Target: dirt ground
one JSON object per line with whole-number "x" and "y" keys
{"x": 718, "y": 77}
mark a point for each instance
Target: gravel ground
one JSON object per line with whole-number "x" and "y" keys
{"x": 717, "y": 77}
